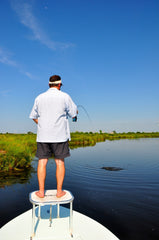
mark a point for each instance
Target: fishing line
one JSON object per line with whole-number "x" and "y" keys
{"x": 80, "y": 106}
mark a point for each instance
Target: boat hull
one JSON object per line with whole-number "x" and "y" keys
{"x": 84, "y": 228}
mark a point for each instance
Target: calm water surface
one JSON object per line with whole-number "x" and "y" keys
{"x": 124, "y": 201}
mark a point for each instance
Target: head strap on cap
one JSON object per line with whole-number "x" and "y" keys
{"x": 56, "y": 82}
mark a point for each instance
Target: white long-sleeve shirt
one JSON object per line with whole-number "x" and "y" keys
{"x": 52, "y": 109}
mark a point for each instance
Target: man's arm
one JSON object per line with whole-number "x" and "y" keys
{"x": 71, "y": 107}
{"x": 35, "y": 120}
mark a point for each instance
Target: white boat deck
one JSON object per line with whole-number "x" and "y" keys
{"x": 84, "y": 228}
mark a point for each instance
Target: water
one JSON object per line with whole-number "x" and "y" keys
{"x": 124, "y": 201}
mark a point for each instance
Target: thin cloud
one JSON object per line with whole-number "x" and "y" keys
{"x": 5, "y": 93}
{"x": 29, "y": 75}
{"x": 6, "y": 58}
{"x": 25, "y": 13}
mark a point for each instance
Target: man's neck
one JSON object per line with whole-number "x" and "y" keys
{"x": 57, "y": 87}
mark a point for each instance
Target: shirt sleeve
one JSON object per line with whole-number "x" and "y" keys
{"x": 34, "y": 112}
{"x": 71, "y": 107}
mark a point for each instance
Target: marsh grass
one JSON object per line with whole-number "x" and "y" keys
{"x": 16, "y": 151}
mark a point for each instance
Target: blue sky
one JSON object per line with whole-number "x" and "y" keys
{"x": 106, "y": 52}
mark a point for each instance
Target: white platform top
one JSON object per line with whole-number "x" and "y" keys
{"x": 50, "y": 198}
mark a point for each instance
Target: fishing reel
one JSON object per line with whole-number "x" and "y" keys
{"x": 74, "y": 119}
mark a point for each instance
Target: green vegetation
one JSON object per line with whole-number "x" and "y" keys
{"x": 18, "y": 150}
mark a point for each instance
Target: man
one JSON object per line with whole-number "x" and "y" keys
{"x": 50, "y": 112}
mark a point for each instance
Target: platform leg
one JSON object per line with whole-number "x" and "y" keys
{"x": 71, "y": 219}
{"x": 39, "y": 212}
{"x": 58, "y": 210}
{"x": 33, "y": 222}
{"x": 50, "y": 215}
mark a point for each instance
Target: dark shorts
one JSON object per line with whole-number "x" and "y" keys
{"x": 58, "y": 150}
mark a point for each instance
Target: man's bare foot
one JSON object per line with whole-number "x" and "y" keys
{"x": 40, "y": 194}
{"x": 60, "y": 194}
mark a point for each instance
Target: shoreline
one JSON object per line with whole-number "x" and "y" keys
{"x": 18, "y": 150}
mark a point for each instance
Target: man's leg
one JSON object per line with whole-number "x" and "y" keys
{"x": 60, "y": 174}
{"x": 41, "y": 172}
